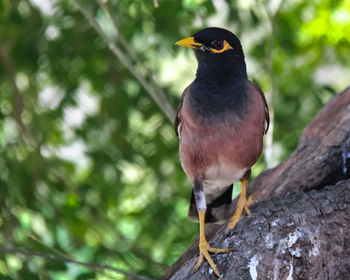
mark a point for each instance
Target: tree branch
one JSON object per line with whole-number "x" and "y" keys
{"x": 17, "y": 103}
{"x": 135, "y": 57}
{"x": 158, "y": 97}
{"x": 11, "y": 74}
{"x": 105, "y": 7}
{"x": 297, "y": 236}
{"x": 92, "y": 266}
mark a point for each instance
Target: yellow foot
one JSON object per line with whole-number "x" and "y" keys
{"x": 204, "y": 250}
{"x": 243, "y": 203}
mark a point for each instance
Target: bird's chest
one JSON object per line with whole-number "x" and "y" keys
{"x": 218, "y": 148}
{"x": 216, "y": 155}
{"x": 216, "y": 152}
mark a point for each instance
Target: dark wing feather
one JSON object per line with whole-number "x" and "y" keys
{"x": 267, "y": 116}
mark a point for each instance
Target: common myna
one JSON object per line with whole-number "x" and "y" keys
{"x": 220, "y": 122}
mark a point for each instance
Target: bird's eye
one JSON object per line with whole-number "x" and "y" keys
{"x": 217, "y": 44}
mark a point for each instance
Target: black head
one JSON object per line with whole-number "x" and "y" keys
{"x": 216, "y": 49}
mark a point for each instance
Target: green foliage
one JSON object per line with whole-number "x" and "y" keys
{"x": 89, "y": 166}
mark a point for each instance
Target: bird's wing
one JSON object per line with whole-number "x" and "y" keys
{"x": 177, "y": 124}
{"x": 267, "y": 116}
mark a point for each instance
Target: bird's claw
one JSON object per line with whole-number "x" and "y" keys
{"x": 204, "y": 252}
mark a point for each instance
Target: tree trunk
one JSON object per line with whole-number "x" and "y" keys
{"x": 301, "y": 223}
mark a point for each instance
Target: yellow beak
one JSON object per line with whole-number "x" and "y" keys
{"x": 188, "y": 42}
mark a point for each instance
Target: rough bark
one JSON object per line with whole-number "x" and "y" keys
{"x": 293, "y": 203}
{"x": 303, "y": 236}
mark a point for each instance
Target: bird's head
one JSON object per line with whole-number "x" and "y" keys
{"x": 216, "y": 48}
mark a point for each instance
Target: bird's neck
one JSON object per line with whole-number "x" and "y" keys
{"x": 221, "y": 71}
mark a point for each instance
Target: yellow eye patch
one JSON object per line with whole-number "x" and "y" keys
{"x": 224, "y": 48}
{"x": 189, "y": 42}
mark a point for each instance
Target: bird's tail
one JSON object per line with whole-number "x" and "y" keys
{"x": 217, "y": 212}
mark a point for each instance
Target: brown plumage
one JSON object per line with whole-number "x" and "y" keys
{"x": 222, "y": 151}
{"x": 220, "y": 123}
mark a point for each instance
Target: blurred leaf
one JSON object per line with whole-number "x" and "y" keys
{"x": 93, "y": 172}
{"x": 86, "y": 276}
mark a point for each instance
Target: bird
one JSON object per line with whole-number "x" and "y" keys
{"x": 220, "y": 123}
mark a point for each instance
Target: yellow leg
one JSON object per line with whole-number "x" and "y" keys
{"x": 243, "y": 203}
{"x": 205, "y": 249}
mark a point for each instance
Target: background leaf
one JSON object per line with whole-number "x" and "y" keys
{"x": 89, "y": 165}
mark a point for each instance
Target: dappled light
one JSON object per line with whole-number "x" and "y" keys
{"x": 91, "y": 186}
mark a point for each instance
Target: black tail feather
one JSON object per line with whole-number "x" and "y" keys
{"x": 217, "y": 211}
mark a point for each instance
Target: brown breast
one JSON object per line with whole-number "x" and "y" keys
{"x": 232, "y": 145}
